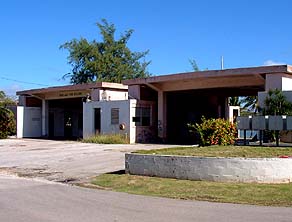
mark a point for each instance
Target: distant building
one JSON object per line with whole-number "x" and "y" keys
{"x": 152, "y": 109}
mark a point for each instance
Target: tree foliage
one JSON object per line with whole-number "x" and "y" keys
{"x": 109, "y": 60}
{"x": 251, "y": 103}
{"x": 7, "y": 121}
{"x": 6, "y": 100}
{"x": 277, "y": 104}
{"x": 234, "y": 101}
{"x": 194, "y": 65}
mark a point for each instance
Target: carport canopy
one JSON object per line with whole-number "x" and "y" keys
{"x": 239, "y": 78}
{"x": 224, "y": 83}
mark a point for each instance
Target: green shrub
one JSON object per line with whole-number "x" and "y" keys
{"x": 107, "y": 139}
{"x": 214, "y": 132}
{"x": 7, "y": 123}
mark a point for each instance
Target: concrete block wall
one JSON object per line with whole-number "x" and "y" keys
{"x": 247, "y": 170}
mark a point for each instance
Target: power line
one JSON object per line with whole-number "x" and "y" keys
{"x": 19, "y": 81}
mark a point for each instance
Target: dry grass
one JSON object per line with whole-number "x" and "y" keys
{"x": 107, "y": 139}
{"x": 257, "y": 194}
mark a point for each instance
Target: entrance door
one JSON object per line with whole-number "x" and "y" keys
{"x": 68, "y": 124}
{"x": 97, "y": 120}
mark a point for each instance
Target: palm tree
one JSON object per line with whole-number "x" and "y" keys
{"x": 277, "y": 104}
{"x": 195, "y": 67}
{"x": 251, "y": 103}
{"x": 234, "y": 101}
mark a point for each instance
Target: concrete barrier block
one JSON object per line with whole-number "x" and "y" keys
{"x": 249, "y": 170}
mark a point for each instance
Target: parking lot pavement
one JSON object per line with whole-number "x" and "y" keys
{"x": 67, "y": 161}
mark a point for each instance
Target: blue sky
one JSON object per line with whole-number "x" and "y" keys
{"x": 247, "y": 33}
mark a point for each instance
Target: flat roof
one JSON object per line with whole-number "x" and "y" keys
{"x": 85, "y": 86}
{"x": 237, "y": 72}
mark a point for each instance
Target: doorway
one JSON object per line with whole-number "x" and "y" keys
{"x": 66, "y": 118}
{"x": 97, "y": 120}
{"x": 68, "y": 124}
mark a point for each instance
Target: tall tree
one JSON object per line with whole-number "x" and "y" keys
{"x": 109, "y": 60}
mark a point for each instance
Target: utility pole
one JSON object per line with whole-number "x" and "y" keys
{"x": 222, "y": 63}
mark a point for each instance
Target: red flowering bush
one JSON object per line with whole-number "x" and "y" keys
{"x": 7, "y": 123}
{"x": 215, "y": 132}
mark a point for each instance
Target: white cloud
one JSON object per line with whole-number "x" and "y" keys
{"x": 12, "y": 89}
{"x": 272, "y": 63}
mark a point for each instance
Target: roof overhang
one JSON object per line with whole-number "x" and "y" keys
{"x": 228, "y": 78}
{"x": 76, "y": 90}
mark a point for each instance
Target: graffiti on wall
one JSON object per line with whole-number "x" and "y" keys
{"x": 145, "y": 135}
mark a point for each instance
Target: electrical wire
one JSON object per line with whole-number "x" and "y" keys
{"x": 19, "y": 81}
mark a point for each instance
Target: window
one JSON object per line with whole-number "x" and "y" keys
{"x": 115, "y": 116}
{"x": 142, "y": 116}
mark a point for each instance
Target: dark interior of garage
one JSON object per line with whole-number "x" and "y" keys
{"x": 185, "y": 107}
{"x": 65, "y": 118}
{"x": 190, "y": 106}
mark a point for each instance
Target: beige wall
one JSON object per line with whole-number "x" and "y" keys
{"x": 105, "y": 117}
{"x": 29, "y": 122}
{"x": 278, "y": 81}
{"x": 286, "y": 83}
{"x": 108, "y": 95}
{"x": 127, "y": 110}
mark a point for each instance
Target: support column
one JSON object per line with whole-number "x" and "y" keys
{"x": 20, "y": 121}
{"x": 226, "y": 105}
{"x": 22, "y": 100}
{"x": 45, "y": 117}
{"x": 162, "y": 115}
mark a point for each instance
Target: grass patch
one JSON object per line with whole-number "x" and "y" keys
{"x": 107, "y": 139}
{"x": 223, "y": 151}
{"x": 256, "y": 194}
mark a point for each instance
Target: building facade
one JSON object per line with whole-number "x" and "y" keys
{"x": 154, "y": 109}
{"x": 57, "y": 112}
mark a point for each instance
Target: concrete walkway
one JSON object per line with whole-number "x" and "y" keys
{"x": 63, "y": 160}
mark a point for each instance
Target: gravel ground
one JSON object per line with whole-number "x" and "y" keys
{"x": 65, "y": 161}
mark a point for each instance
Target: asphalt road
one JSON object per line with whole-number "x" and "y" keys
{"x": 27, "y": 200}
